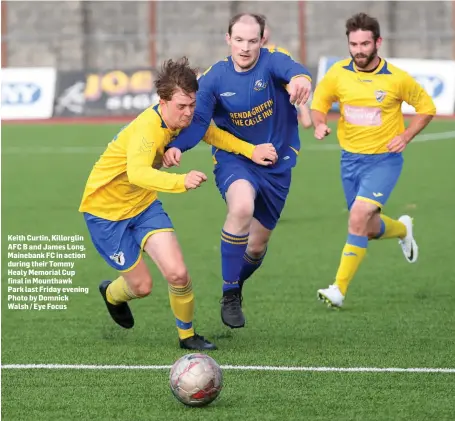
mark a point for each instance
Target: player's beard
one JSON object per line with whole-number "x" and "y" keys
{"x": 366, "y": 60}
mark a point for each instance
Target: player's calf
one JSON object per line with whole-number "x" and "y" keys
{"x": 255, "y": 252}
{"x": 165, "y": 251}
{"x": 353, "y": 252}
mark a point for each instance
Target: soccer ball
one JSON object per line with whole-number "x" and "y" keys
{"x": 196, "y": 379}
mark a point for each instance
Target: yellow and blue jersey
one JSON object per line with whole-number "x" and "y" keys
{"x": 276, "y": 49}
{"x": 370, "y": 104}
{"x": 126, "y": 179}
{"x": 252, "y": 105}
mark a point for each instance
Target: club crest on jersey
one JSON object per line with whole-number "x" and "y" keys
{"x": 380, "y": 95}
{"x": 260, "y": 85}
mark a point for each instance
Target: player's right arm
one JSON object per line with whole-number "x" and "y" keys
{"x": 142, "y": 148}
{"x": 324, "y": 96}
{"x": 205, "y": 105}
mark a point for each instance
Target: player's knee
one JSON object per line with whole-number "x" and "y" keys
{"x": 240, "y": 201}
{"x": 360, "y": 215}
{"x": 257, "y": 249}
{"x": 141, "y": 287}
{"x": 177, "y": 276}
{"x": 241, "y": 211}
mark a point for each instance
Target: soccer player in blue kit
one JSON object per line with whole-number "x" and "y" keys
{"x": 251, "y": 94}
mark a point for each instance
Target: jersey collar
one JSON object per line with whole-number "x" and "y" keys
{"x": 381, "y": 69}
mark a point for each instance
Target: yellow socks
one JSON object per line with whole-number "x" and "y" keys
{"x": 391, "y": 228}
{"x": 119, "y": 292}
{"x": 356, "y": 247}
{"x": 182, "y": 305}
{"x": 181, "y": 299}
{"x": 353, "y": 253}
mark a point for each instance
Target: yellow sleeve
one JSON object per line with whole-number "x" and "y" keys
{"x": 414, "y": 94}
{"x": 325, "y": 93}
{"x": 228, "y": 142}
{"x": 141, "y": 153}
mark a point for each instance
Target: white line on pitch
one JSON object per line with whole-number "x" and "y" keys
{"x": 230, "y": 367}
{"x": 33, "y": 150}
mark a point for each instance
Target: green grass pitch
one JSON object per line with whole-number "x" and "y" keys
{"x": 395, "y": 315}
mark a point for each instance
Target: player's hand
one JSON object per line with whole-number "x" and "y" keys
{"x": 321, "y": 131}
{"x": 299, "y": 90}
{"x": 264, "y": 154}
{"x": 194, "y": 179}
{"x": 397, "y": 144}
{"x": 172, "y": 158}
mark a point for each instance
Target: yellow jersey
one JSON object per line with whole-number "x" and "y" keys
{"x": 370, "y": 104}
{"x": 126, "y": 178}
{"x": 275, "y": 49}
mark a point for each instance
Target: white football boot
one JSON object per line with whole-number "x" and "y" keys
{"x": 332, "y": 296}
{"x": 408, "y": 243}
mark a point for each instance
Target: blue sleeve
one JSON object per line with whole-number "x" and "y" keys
{"x": 285, "y": 68}
{"x": 205, "y": 105}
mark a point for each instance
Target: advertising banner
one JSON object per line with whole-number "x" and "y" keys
{"x": 110, "y": 93}
{"x": 28, "y": 93}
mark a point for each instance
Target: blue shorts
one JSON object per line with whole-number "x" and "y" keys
{"x": 120, "y": 243}
{"x": 271, "y": 188}
{"x": 371, "y": 178}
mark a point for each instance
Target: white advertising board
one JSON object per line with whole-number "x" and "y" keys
{"x": 28, "y": 93}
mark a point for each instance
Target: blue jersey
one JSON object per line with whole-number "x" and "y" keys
{"x": 252, "y": 105}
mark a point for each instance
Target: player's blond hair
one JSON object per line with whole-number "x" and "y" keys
{"x": 174, "y": 75}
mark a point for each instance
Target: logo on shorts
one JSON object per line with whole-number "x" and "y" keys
{"x": 377, "y": 194}
{"x": 380, "y": 95}
{"x": 260, "y": 85}
{"x": 118, "y": 258}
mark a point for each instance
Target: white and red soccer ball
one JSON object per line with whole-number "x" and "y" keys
{"x": 196, "y": 379}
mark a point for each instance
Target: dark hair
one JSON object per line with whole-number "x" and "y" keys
{"x": 365, "y": 23}
{"x": 260, "y": 19}
{"x": 174, "y": 75}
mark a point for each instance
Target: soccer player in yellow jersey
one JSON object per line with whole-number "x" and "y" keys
{"x": 372, "y": 136}
{"x": 303, "y": 111}
{"x": 125, "y": 217}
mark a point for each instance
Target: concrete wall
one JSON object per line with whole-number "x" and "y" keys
{"x": 66, "y": 34}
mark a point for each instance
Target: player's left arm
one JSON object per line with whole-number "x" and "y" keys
{"x": 305, "y": 116}
{"x": 141, "y": 152}
{"x": 296, "y": 76}
{"x": 413, "y": 93}
{"x": 263, "y": 154}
